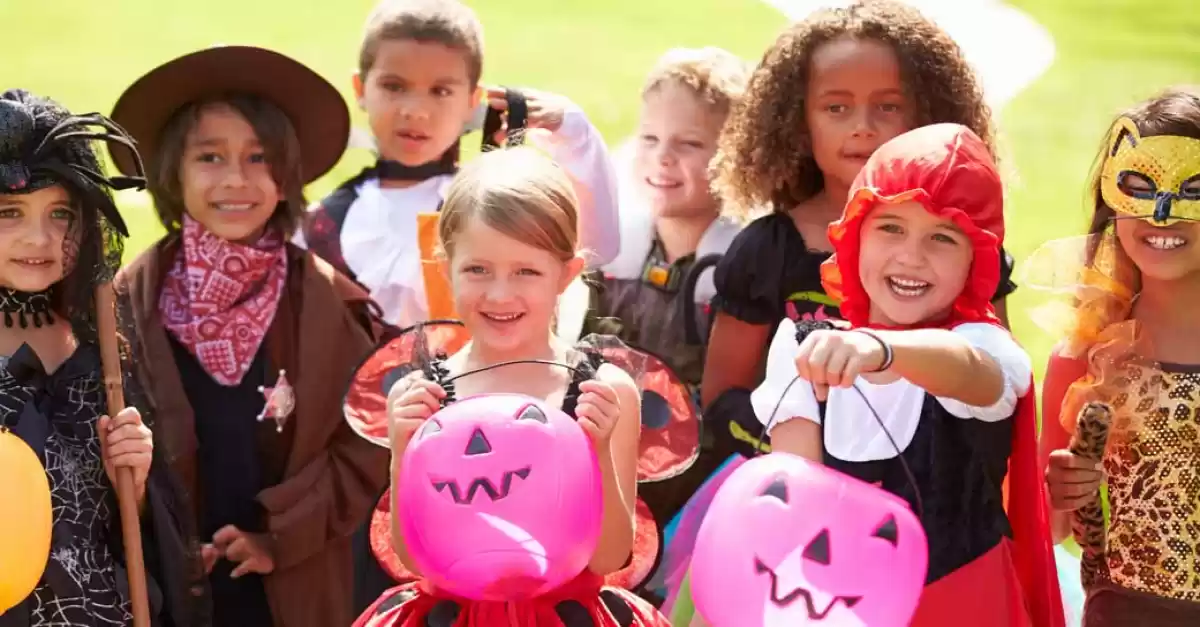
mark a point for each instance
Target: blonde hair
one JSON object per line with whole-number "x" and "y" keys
{"x": 519, "y": 192}
{"x": 716, "y": 76}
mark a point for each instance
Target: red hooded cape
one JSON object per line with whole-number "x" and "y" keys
{"x": 949, "y": 170}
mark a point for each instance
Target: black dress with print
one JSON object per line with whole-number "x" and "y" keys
{"x": 59, "y": 413}
{"x": 958, "y": 465}
{"x": 768, "y": 274}
{"x": 85, "y": 583}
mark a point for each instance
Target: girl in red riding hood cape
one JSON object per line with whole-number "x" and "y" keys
{"x": 917, "y": 259}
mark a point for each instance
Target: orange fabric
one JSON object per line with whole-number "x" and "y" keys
{"x": 438, "y": 294}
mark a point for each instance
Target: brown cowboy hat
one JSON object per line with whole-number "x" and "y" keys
{"x": 316, "y": 109}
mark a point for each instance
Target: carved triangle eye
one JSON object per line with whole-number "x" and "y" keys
{"x": 533, "y": 412}
{"x": 888, "y": 530}
{"x": 818, "y": 550}
{"x": 429, "y": 428}
{"x": 777, "y": 488}
{"x": 478, "y": 444}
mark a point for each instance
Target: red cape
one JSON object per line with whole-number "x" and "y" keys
{"x": 949, "y": 170}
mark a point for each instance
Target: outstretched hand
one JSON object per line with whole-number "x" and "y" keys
{"x": 836, "y": 358}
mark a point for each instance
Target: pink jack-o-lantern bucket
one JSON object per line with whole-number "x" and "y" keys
{"x": 788, "y": 542}
{"x": 500, "y": 498}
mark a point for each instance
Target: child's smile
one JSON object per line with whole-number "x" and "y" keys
{"x": 913, "y": 264}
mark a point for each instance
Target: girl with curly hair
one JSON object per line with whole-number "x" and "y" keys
{"x": 831, "y": 90}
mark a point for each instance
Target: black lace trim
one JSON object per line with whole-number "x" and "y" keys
{"x": 26, "y": 306}
{"x": 441, "y": 374}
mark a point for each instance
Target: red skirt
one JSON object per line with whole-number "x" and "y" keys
{"x": 983, "y": 593}
{"x": 582, "y": 602}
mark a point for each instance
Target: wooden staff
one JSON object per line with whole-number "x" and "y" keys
{"x": 110, "y": 360}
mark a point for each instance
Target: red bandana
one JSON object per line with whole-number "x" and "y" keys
{"x": 220, "y": 298}
{"x": 949, "y": 170}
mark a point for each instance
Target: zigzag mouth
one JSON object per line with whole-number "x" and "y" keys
{"x": 789, "y": 598}
{"x": 481, "y": 484}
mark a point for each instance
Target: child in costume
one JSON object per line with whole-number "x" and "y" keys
{"x": 244, "y": 336}
{"x": 673, "y": 231}
{"x": 655, "y": 294}
{"x": 832, "y": 89}
{"x": 509, "y": 234}
{"x": 1131, "y": 346}
{"x": 61, "y": 236}
{"x": 915, "y": 264}
{"x": 418, "y": 80}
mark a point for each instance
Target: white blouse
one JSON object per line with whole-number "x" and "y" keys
{"x": 851, "y": 431}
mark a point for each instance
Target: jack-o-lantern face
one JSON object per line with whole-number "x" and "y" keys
{"x": 500, "y": 498}
{"x": 787, "y": 542}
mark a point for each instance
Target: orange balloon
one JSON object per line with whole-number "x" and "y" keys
{"x": 24, "y": 535}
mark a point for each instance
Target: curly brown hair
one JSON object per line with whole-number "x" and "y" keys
{"x": 763, "y": 157}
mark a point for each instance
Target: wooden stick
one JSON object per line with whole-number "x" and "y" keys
{"x": 110, "y": 360}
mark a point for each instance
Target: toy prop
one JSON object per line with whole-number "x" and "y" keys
{"x": 502, "y": 498}
{"x": 785, "y": 542}
{"x": 668, "y": 445}
{"x": 131, "y": 534}
{"x": 813, "y": 546}
{"x": 24, "y": 538}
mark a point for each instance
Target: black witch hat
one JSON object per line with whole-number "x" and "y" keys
{"x": 42, "y": 144}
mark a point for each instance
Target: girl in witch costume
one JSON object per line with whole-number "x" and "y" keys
{"x": 508, "y": 231}
{"x": 916, "y": 263}
{"x": 244, "y": 336}
{"x": 61, "y": 236}
{"x": 419, "y": 67}
{"x": 1120, "y": 407}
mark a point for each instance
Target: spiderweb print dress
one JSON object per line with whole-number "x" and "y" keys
{"x": 80, "y": 584}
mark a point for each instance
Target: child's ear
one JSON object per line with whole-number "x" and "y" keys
{"x": 357, "y": 80}
{"x": 443, "y": 265}
{"x": 573, "y": 268}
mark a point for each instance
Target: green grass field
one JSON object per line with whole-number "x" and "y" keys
{"x": 1109, "y": 54}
